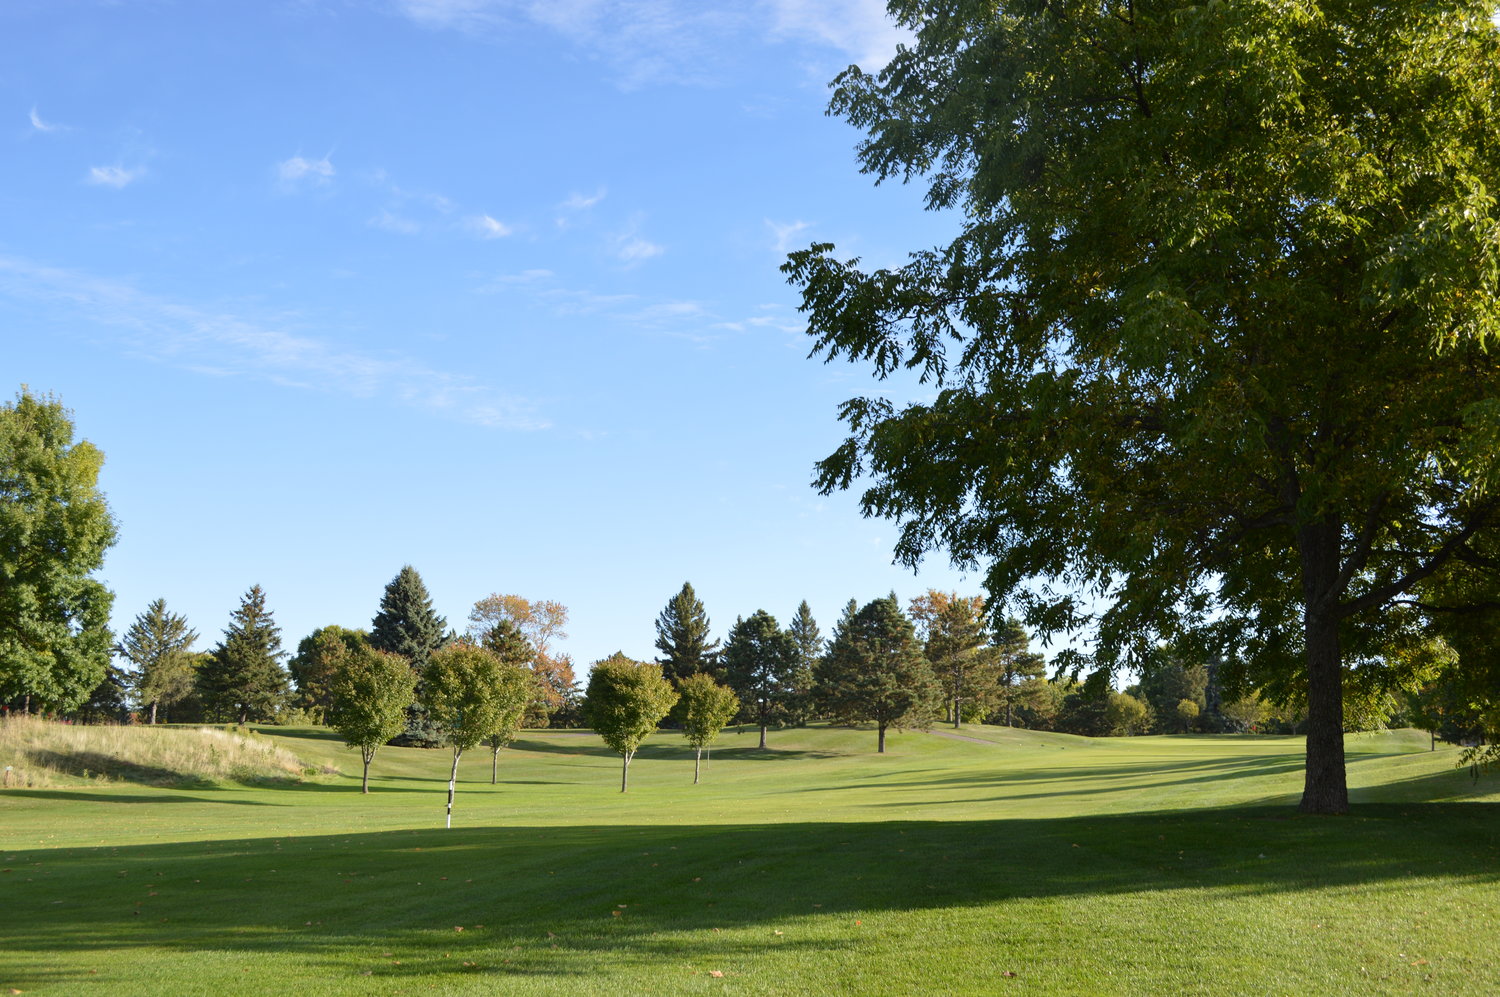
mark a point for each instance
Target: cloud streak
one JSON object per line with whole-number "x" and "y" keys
{"x": 44, "y": 126}
{"x": 218, "y": 344}
{"x": 114, "y": 176}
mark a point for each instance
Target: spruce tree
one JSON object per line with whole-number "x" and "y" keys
{"x": 809, "y": 648}
{"x": 759, "y": 661}
{"x": 407, "y": 625}
{"x": 154, "y": 644}
{"x": 875, "y": 672}
{"x": 682, "y": 637}
{"x": 1021, "y": 669}
{"x": 243, "y": 678}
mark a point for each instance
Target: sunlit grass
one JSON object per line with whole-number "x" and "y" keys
{"x": 1141, "y": 866}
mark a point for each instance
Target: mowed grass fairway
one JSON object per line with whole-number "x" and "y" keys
{"x": 1115, "y": 866}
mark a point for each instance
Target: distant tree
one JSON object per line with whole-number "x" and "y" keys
{"x": 956, "y": 644}
{"x": 516, "y": 692}
{"x": 406, "y": 624}
{"x": 318, "y": 659}
{"x": 1085, "y": 708}
{"x": 874, "y": 671}
{"x": 808, "y": 641}
{"x": 54, "y": 529}
{"x": 243, "y": 677}
{"x": 510, "y": 645}
{"x": 368, "y": 692}
{"x": 1126, "y": 715}
{"x": 541, "y": 622}
{"x": 154, "y": 643}
{"x": 625, "y": 701}
{"x": 1021, "y": 672}
{"x": 705, "y": 706}
{"x": 682, "y": 637}
{"x": 1167, "y": 683}
{"x": 758, "y": 663}
{"x": 109, "y": 701}
{"x": 466, "y": 690}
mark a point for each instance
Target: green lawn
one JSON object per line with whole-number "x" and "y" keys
{"x": 1130, "y": 866}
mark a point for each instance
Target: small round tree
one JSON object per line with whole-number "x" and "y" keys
{"x": 370, "y": 691}
{"x": 467, "y": 695}
{"x": 705, "y": 707}
{"x": 625, "y": 701}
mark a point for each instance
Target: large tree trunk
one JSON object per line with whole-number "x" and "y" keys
{"x": 364, "y": 782}
{"x": 153, "y": 711}
{"x": 1325, "y": 790}
{"x": 452, "y": 778}
{"x": 881, "y": 741}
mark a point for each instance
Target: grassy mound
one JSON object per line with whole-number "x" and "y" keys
{"x": 41, "y": 753}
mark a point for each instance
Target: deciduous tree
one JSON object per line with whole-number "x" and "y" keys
{"x": 369, "y": 692}
{"x": 705, "y": 706}
{"x": 54, "y": 529}
{"x": 541, "y": 622}
{"x": 956, "y": 644}
{"x": 625, "y": 701}
{"x": 1216, "y": 337}
{"x": 467, "y": 691}
{"x": 318, "y": 659}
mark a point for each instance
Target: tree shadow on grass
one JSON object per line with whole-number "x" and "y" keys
{"x": 556, "y": 900}
{"x": 94, "y": 796}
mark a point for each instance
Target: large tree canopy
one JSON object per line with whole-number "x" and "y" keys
{"x": 1210, "y": 351}
{"x": 54, "y": 530}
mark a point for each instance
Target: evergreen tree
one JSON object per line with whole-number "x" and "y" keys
{"x": 54, "y": 530}
{"x": 243, "y": 677}
{"x": 1021, "y": 670}
{"x": 108, "y": 703}
{"x": 809, "y": 648}
{"x": 155, "y": 644}
{"x": 759, "y": 661}
{"x": 508, "y": 642}
{"x": 407, "y": 625}
{"x": 874, "y": 671}
{"x": 682, "y": 637}
{"x": 955, "y": 642}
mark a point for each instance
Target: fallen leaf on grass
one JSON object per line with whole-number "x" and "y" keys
{"x": 712, "y": 972}
{"x": 1420, "y": 962}
{"x": 458, "y": 927}
{"x": 775, "y": 932}
{"x": 615, "y": 913}
{"x": 1009, "y": 975}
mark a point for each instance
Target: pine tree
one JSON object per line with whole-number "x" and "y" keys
{"x": 1021, "y": 669}
{"x": 809, "y": 648}
{"x": 155, "y": 644}
{"x": 956, "y": 646}
{"x": 243, "y": 677}
{"x": 682, "y": 637}
{"x": 759, "y": 660}
{"x": 407, "y": 625}
{"x": 875, "y": 672}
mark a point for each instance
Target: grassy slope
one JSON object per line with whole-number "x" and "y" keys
{"x": 1147, "y": 865}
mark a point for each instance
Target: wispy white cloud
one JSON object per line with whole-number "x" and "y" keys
{"x": 582, "y": 202}
{"x": 488, "y": 228}
{"x": 45, "y": 126}
{"x": 785, "y": 232}
{"x": 299, "y": 170}
{"x": 114, "y": 176}
{"x": 861, "y": 30}
{"x": 215, "y": 343}
{"x": 389, "y": 221}
{"x": 632, "y": 249}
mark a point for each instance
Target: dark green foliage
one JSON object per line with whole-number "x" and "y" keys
{"x": 243, "y": 680}
{"x": 318, "y": 659}
{"x": 625, "y": 701}
{"x": 1020, "y": 673}
{"x": 956, "y": 645}
{"x": 368, "y": 691}
{"x": 874, "y": 671}
{"x": 808, "y": 640}
{"x": 1215, "y": 341}
{"x": 54, "y": 529}
{"x": 156, "y": 644}
{"x": 759, "y": 664}
{"x": 682, "y": 637}
{"x": 406, "y": 624}
{"x": 1164, "y": 686}
{"x": 109, "y": 702}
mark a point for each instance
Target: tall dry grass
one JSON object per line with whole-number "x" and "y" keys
{"x": 40, "y": 753}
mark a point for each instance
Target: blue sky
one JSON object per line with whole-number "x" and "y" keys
{"x": 488, "y": 287}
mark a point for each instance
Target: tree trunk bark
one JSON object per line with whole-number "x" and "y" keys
{"x": 1325, "y": 790}
{"x": 881, "y": 749}
{"x": 697, "y": 763}
{"x": 153, "y": 711}
{"x": 763, "y": 734}
{"x": 26, "y": 705}
{"x": 958, "y": 700}
{"x": 624, "y": 770}
{"x": 364, "y": 782}
{"x": 494, "y": 765}
{"x": 452, "y": 778}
